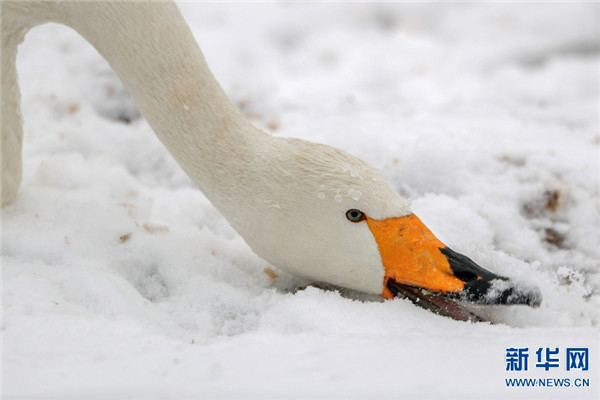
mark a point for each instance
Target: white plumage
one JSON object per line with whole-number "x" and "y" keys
{"x": 286, "y": 197}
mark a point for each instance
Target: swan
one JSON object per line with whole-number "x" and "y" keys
{"x": 309, "y": 209}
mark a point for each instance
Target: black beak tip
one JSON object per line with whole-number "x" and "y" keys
{"x": 484, "y": 287}
{"x": 501, "y": 290}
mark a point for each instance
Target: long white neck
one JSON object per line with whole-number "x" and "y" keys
{"x": 152, "y": 50}
{"x": 287, "y": 198}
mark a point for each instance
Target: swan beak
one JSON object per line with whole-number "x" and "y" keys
{"x": 412, "y": 256}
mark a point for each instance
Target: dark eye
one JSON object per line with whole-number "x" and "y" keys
{"x": 355, "y": 215}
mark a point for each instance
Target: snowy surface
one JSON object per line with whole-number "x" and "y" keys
{"x": 119, "y": 279}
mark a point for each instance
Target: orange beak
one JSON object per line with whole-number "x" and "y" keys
{"x": 413, "y": 256}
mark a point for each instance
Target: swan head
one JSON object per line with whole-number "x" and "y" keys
{"x": 321, "y": 213}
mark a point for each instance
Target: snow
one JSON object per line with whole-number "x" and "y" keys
{"x": 119, "y": 278}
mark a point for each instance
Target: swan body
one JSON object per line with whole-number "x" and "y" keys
{"x": 291, "y": 200}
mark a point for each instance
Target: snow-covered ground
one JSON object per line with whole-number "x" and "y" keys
{"x": 119, "y": 279}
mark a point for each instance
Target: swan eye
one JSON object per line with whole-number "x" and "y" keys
{"x": 355, "y": 215}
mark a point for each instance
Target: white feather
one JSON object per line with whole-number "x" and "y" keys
{"x": 286, "y": 197}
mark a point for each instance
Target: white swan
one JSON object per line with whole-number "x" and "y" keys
{"x": 307, "y": 208}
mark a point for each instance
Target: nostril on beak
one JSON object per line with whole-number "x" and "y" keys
{"x": 466, "y": 276}
{"x": 485, "y": 287}
{"x": 464, "y": 268}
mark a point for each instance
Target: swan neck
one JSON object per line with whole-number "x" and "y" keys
{"x": 152, "y": 50}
